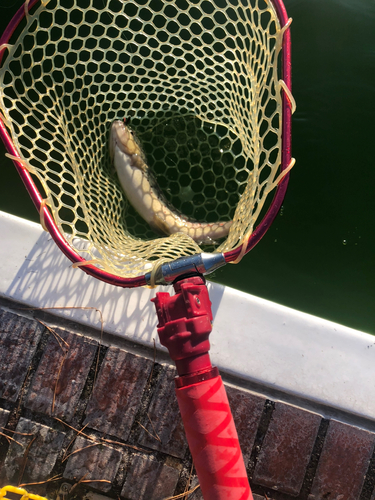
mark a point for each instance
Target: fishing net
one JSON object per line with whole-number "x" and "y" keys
{"x": 200, "y": 80}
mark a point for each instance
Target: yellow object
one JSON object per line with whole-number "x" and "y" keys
{"x": 20, "y": 491}
{"x": 201, "y": 85}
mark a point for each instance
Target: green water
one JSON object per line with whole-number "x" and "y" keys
{"x": 319, "y": 255}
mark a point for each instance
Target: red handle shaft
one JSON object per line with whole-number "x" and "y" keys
{"x": 213, "y": 441}
{"x": 185, "y": 323}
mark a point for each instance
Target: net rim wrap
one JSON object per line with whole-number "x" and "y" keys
{"x": 230, "y": 256}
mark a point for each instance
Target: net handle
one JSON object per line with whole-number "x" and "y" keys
{"x": 229, "y": 256}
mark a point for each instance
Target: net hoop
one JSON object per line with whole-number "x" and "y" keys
{"x": 231, "y": 256}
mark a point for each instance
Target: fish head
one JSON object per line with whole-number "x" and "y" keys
{"x": 122, "y": 137}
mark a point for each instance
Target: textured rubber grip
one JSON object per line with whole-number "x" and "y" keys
{"x": 213, "y": 441}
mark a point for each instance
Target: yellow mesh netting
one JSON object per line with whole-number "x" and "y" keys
{"x": 199, "y": 79}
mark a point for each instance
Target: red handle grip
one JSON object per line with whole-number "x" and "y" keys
{"x": 213, "y": 441}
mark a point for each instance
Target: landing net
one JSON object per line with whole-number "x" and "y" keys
{"x": 200, "y": 80}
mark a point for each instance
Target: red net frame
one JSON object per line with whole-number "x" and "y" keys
{"x": 230, "y": 256}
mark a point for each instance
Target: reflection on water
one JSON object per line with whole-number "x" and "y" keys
{"x": 361, "y": 7}
{"x": 303, "y": 261}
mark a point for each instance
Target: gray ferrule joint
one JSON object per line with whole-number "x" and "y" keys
{"x": 203, "y": 263}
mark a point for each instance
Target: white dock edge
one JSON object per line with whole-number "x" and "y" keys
{"x": 253, "y": 338}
